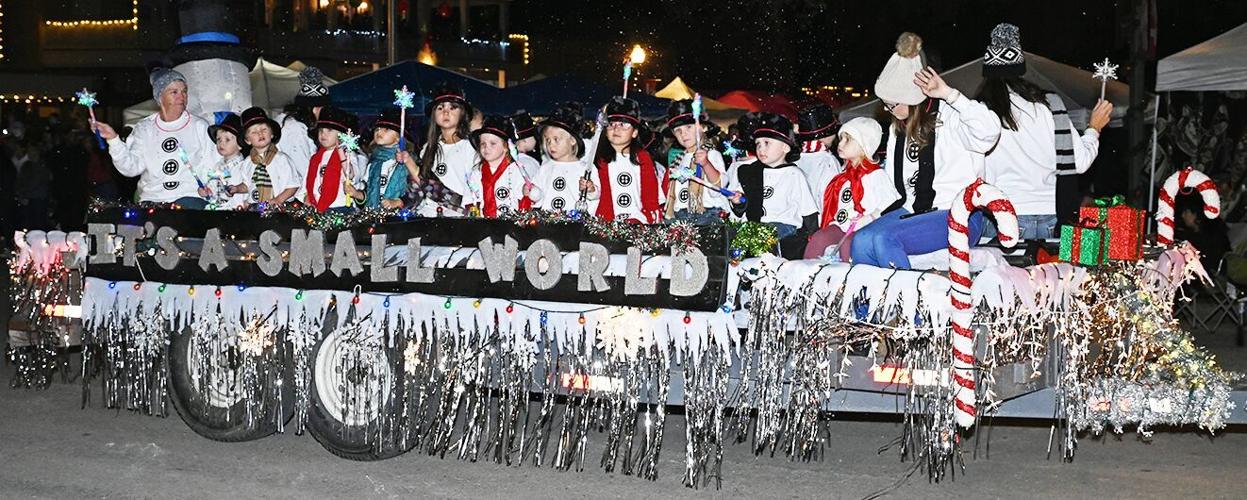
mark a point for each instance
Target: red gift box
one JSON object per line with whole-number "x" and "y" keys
{"x": 1124, "y": 225}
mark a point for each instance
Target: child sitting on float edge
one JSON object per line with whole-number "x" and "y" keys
{"x": 773, "y": 190}
{"x": 854, "y": 197}
{"x": 269, "y": 173}
{"x": 385, "y": 183}
{"x": 218, "y": 183}
{"x": 503, "y": 182}
{"x": 331, "y": 171}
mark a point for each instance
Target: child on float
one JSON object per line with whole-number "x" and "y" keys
{"x": 504, "y": 184}
{"x": 773, "y": 190}
{"x": 625, "y": 171}
{"x": 817, "y": 130}
{"x": 330, "y": 181}
{"x": 447, "y": 158}
{"x": 385, "y": 177}
{"x": 935, "y": 148}
{"x": 566, "y": 180}
{"x": 526, "y": 143}
{"x": 269, "y": 173}
{"x": 218, "y": 183}
{"x": 855, "y": 197}
{"x": 689, "y": 200}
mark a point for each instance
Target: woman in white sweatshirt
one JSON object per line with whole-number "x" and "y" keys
{"x": 936, "y": 147}
{"x": 1040, "y": 154}
{"x": 165, "y": 147}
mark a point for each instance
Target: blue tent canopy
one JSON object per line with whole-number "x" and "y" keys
{"x": 368, "y": 94}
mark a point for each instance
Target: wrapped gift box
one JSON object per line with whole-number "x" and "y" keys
{"x": 1123, "y": 225}
{"x": 1083, "y": 245}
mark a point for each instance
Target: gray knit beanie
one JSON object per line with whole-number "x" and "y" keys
{"x": 161, "y": 78}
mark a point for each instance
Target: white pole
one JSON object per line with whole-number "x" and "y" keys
{"x": 1151, "y": 184}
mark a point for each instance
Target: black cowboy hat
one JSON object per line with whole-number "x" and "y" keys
{"x": 495, "y": 125}
{"x": 334, "y": 119}
{"x": 257, "y": 116}
{"x": 447, "y": 92}
{"x": 622, "y": 109}
{"x": 680, "y": 113}
{"x": 523, "y": 124}
{"x": 817, "y": 122}
{"x": 774, "y": 126}
{"x": 390, "y": 118}
{"x": 569, "y": 116}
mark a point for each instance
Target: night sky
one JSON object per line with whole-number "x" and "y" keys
{"x": 785, "y": 44}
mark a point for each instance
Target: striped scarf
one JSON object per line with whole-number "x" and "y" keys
{"x": 260, "y": 177}
{"x": 1064, "y": 136}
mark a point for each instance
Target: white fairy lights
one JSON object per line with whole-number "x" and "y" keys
{"x": 132, "y": 22}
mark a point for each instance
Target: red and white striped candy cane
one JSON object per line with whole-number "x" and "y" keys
{"x": 1183, "y": 179}
{"x": 978, "y": 195}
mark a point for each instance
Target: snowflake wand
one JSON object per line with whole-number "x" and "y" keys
{"x": 349, "y": 142}
{"x": 403, "y": 99}
{"x": 1104, "y": 71}
{"x": 87, "y": 98}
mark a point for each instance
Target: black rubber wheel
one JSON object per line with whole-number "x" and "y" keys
{"x": 356, "y": 397}
{"x": 219, "y": 411}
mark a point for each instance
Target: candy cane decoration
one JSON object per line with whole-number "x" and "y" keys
{"x": 1184, "y": 179}
{"x": 976, "y": 196}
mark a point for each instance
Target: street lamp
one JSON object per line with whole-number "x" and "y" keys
{"x": 638, "y": 55}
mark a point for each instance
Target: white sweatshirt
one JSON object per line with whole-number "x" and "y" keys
{"x": 625, "y": 180}
{"x": 967, "y": 131}
{"x": 786, "y": 197}
{"x": 453, "y": 167}
{"x": 1023, "y": 165}
{"x": 819, "y": 167}
{"x": 710, "y": 198}
{"x": 282, "y": 173}
{"x": 295, "y": 142}
{"x": 154, "y": 153}
{"x": 352, "y": 164}
{"x": 560, "y": 186}
{"x": 508, "y": 188}
{"x": 219, "y": 177}
{"x": 878, "y": 193}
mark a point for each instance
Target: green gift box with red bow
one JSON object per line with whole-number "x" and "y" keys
{"x": 1123, "y": 226}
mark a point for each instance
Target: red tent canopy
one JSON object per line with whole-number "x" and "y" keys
{"x": 756, "y": 101}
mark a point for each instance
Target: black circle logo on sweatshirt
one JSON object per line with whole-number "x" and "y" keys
{"x": 842, "y": 216}
{"x": 558, "y": 203}
{"x": 560, "y": 183}
{"x": 846, "y": 196}
{"x": 912, "y": 150}
{"x": 169, "y": 145}
{"x": 502, "y": 193}
{"x": 624, "y": 200}
{"x": 440, "y": 170}
{"x": 684, "y": 195}
{"x": 624, "y": 179}
{"x": 170, "y": 167}
{"x": 171, "y": 185}
{"x": 767, "y": 192}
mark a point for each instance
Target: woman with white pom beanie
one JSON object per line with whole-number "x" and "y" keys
{"x": 936, "y": 147}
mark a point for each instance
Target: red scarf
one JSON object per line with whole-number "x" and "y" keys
{"x": 489, "y": 179}
{"x": 329, "y": 185}
{"x": 853, "y": 173}
{"x": 649, "y": 190}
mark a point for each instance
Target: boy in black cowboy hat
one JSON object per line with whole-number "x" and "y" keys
{"x": 816, "y": 132}
{"x": 626, "y": 172}
{"x": 219, "y": 182}
{"x": 687, "y": 200}
{"x": 330, "y": 181}
{"x": 270, "y": 174}
{"x": 774, "y": 189}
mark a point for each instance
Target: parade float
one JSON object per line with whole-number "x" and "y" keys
{"x": 565, "y": 341}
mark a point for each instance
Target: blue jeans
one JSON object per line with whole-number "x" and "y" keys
{"x": 191, "y": 203}
{"x": 1030, "y": 227}
{"x": 783, "y": 230}
{"x": 708, "y": 216}
{"x": 890, "y": 240}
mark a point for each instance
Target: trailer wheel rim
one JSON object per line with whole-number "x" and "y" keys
{"x": 222, "y": 388}
{"x": 353, "y": 378}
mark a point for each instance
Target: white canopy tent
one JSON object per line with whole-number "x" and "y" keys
{"x": 1076, "y": 87}
{"x": 272, "y": 87}
{"x": 1216, "y": 65}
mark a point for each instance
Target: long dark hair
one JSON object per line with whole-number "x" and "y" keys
{"x": 301, "y": 113}
{"x": 606, "y": 151}
{"x": 433, "y": 143}
{"x": 994, "y": 92}
{"x": 920, "y": 126}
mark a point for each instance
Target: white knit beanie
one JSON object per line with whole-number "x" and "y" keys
{"x": 896, "y": 82}
{"x": 866, "y": 132}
